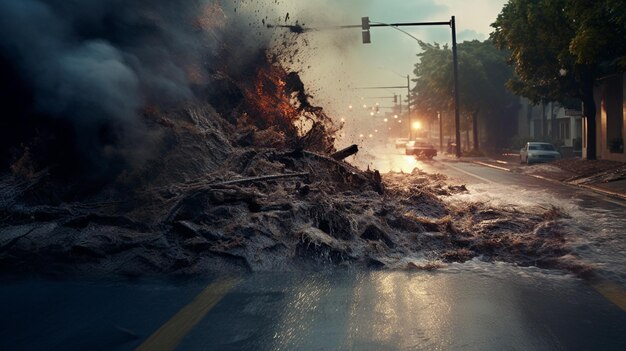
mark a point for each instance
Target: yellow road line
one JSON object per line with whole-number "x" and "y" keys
{"x": 169, "y": 335}
{"x": 469, "y": 174}
{"x": 612, "y": 292}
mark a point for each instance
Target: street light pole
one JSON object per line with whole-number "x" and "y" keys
{"x": 456, "y": 89}
{"x": 366, "y": 25}
{"x": 408, "y": 89}
{"x": 440, "y": 131}
{"x": 408, "y": 104}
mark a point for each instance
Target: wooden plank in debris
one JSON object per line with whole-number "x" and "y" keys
{"x": 343, "y": 153}
{"x": 261, "y": 179}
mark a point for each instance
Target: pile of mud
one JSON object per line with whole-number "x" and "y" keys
{"x": 226, "y": 199}
{"x": 236, "y": 174}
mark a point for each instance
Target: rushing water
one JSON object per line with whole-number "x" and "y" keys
{"x": 594, "y": 224}
{"x": 595, "y": 228}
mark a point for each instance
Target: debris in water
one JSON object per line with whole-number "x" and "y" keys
{"x": 248, "y": 179}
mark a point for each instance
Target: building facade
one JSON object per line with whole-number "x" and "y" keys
{"x": 551, "y": 122}
{"x": 611, "y": 110}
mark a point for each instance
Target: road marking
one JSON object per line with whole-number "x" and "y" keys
{"x": 491, "y": 166}
{"x": 469, "y": 174}
{"x": 169, "y": 335}
{"x": 612, "y": 292}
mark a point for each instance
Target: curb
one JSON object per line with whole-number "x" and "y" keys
{"x": 583, "y": 186}
{"x": 602, "y": 191}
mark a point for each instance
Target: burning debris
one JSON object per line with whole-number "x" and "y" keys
{"x": 246, "y": 179}
{"x": 259, "y": 208}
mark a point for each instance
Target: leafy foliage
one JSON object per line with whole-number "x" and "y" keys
{"x": 482, "y": 74}
{"x": 560, "y": 47}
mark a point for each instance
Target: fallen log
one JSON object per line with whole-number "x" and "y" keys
{"x": 343, "y": 153}
{"x": 261, "y": 179}
{"x": 201, "y": 190}
{"x": 345, "y": 166}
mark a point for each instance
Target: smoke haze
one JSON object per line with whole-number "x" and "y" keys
{"x": 83, "y": 71}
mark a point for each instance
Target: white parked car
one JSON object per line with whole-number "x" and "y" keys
{"x": 401, "y": 143}
{"x": 538, "y": 152}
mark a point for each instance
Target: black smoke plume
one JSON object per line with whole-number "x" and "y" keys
{"x": 75, "y": 75}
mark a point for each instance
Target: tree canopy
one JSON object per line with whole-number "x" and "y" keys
{"x": 482, "y": 74}
{"x": 559, "y": 48}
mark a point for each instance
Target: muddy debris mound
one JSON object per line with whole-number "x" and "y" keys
{"x": 257, "y": 207}
{"x": 245, "y": 177}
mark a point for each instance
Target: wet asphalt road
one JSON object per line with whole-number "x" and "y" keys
{"x": 595, "y": 221}
{"x": 471, "y": 306}
{"x": 460, "y": 308}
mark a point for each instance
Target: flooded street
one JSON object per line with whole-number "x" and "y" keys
{"x": 594, "y": 222}
{"x": 474, "y": 306}
{"x": 263, "y": 175}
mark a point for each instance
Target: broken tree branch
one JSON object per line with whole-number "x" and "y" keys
{"x": 261, "y": 179}
{"x": 343, "y": 153}
{"x": 345, "y": 166}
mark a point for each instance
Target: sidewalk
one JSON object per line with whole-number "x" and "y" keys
{"x": 607, "y": 177}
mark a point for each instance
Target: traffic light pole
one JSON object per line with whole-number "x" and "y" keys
{"x": 365, "y": 26}
{"x": 456, "y": 89}
{"x": 365, "y": 31}
{"x": 408, "y": 106}
{"x": 408, "y": 89}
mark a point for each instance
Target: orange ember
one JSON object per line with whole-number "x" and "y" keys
{"x": 267, "y": 101}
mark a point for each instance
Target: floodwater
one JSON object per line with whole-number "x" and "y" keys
{"x": 471, "y": 306}
{"x": 594, "y": 227}
{"x": 594, "y": 223}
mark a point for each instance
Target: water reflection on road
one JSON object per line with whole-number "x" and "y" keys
{"x": 386, "y": 158}
{"x": 593, "y": 222}
{"x": 471, "y": 306}
{"x": 468, "y": 307}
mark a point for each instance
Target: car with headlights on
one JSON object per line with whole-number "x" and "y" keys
{"x": 401, "y": 143}
{"x": 534, "y": 152}
{"x": 421, "y": 149}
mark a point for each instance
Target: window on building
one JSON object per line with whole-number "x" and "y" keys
{"x": 564, "y": 129}
{"x": 612, "y": 106}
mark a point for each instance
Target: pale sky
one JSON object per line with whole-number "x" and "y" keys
{"x": 339, "y": 59}
{"x": 334, "y": 62}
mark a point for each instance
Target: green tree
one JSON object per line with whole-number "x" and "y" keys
{"x": 482, "y": 74}
{"x": 558, "y": 48}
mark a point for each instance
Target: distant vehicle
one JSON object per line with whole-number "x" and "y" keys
{"x": 421, "y": 149}
{"x": 538, "y": 152}
{"x": 401, "y": 143}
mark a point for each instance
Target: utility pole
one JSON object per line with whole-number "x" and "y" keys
{"x": 366, "y": 25}
{"x": 408, "y": 89}
{"x": 408, "y": 104}
{"x": 456, "y": 89}
{"x": 440, "y": 131}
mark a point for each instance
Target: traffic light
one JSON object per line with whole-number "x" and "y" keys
{"x": 365, "y": 27}
{"x": 395, "y": 98}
